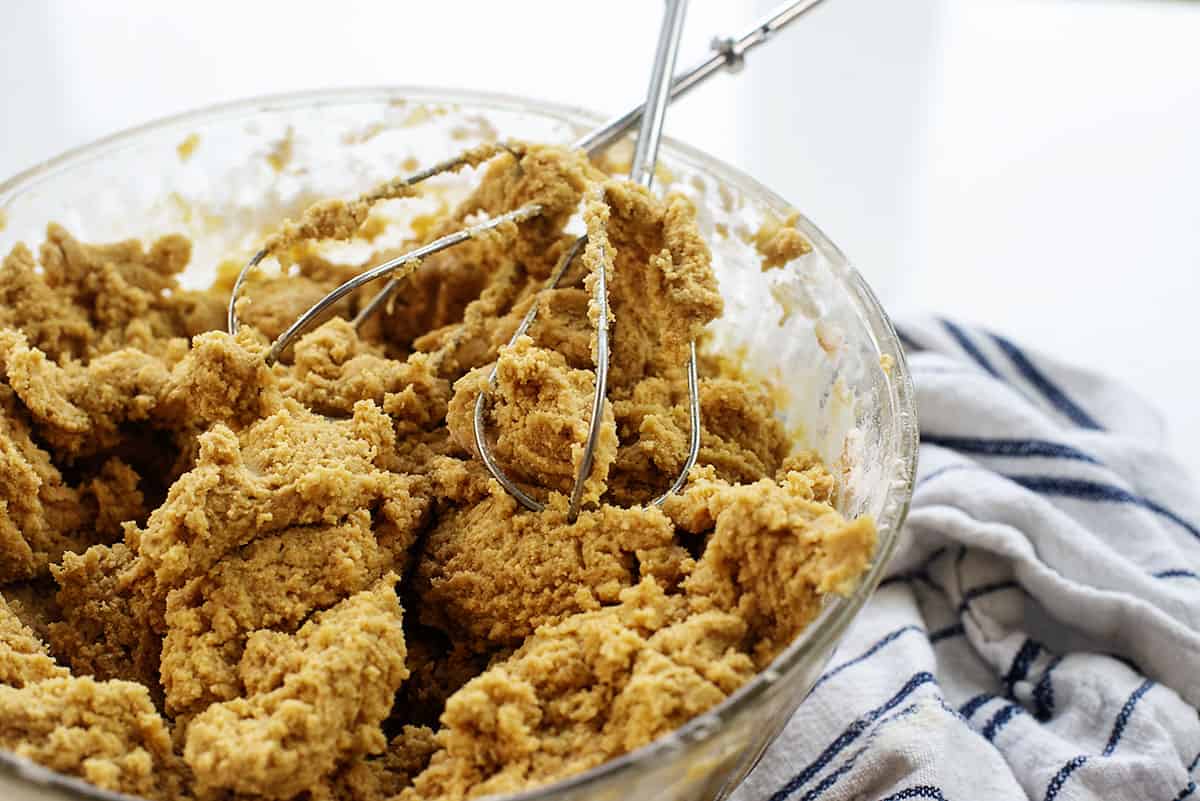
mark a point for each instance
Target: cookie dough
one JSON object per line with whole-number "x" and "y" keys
{"x": 226, "y": 580}
{"x": 778, "y": 241}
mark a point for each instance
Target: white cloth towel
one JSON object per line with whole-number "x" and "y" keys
{"x": 1038, "y": 634}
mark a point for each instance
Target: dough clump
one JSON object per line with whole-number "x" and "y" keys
{"x": 225, "y": 580}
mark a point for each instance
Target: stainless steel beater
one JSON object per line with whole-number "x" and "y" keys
{"x": 645, "y": 157}
{"x": 728, "y": 53}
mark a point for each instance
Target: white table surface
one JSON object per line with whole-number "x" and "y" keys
{"x": 1031, "y": 165}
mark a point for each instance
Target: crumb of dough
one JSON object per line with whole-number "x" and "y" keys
{"x": 108, "y": 733}
{"x": 383, "y": 777}
{"x": 778, "y": 241}
{"x": 330, "y": 219}
{"x": 274, "y": 583}
{"x": 34, "y": 604}
{"x": 230, "y": 581}
{"x": 82, "y": 301}
{"x": 407, "y": 755}
{"x": 477, "y": 127}
{"x": 222, "y": 379}
{"x": 282, "y": 150}
{"x": 292, "y": 468}
{"x": 578, "y": 692}
{"x": 366, "y": 134}
{"x": 740, "y": 436}
{"x": 29, "y": 303}
{"x": 188, "y": 146}
{"x": 110, "y": 628}
{"x": 662, "y": 290}
{"x": 819, "y": 485}
{"x": 314, "y": 700}
{"x": 333, "y": 369}
{"x": 41, "y": 516}
{"x": 374, "y": 227}
{"x": 438, "y": 669}
{"x": 127, "y": 295}
{"x": 539, "y": 414}
{"x": 774, "y": 551}
{"x": 113, "y": 497}
{"x": 24, "y": 659}
{"x": 418, "y": 116}
{"x": 829, "y": 337}
{"x": 80, "y": 409}
{"x": 338, "y": 219}
{"x": 600, "y": 683}
{"x": 490, "y": 575}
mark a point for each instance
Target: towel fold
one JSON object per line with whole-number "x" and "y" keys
{"x": 1038, "y": 634}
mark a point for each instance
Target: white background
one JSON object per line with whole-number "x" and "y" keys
{"x": 1031, "y": 165}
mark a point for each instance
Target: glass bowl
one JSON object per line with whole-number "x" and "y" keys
{"x": 812, "y": 329}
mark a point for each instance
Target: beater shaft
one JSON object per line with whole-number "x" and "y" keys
{"x": 729, "y": 52}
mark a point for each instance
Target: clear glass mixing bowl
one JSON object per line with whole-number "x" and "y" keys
{"x": 813, "y": 329}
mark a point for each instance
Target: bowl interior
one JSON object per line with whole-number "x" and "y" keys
{"x": 812, "y": 329}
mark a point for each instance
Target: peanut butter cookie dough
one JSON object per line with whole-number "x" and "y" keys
{"x": 226, "y": 580}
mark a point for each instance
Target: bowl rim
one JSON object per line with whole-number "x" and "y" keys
{"x": 837, "y": 613}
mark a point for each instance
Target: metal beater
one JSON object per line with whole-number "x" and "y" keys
{"x": 728, "y": 53}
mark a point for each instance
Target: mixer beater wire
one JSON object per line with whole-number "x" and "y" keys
{"x": 729, "y": 53}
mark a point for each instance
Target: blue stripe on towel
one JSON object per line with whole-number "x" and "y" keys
{"x": 971, "y": 349}
{"x": 911, "y": 576}
{"x": 984, "y": 589}
{"x": 1043, "y": 693}
{"x": 1023, "y": 448}
{"x": 918, "y": 791}
{"x": 972, "y": 706}
{"x": 950, "y": 468}
{"x": 908, "y": 342}
{"x": 852, "y": 733}
{"x": 919, "y": 573}
{"x": 833, "y": 778}
{"x": 1186, "y": 791}
{"x": 1019, "y": 668}
{"x": 1176, "y": 573}
{"x": 1000, "y": 720}
{"x": 1124, "y": 715}
{"x": 949, "y": 631}
{"x": 867, "y": 654}
{"x": 1060, "y": 778}
{"x": 1076, "y": 488}
{"x": 1049, "y": 390}
{"x": 1094, "y": 491}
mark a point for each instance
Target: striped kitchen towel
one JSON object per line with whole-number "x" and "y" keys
{"x": 1038, "y": 635}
